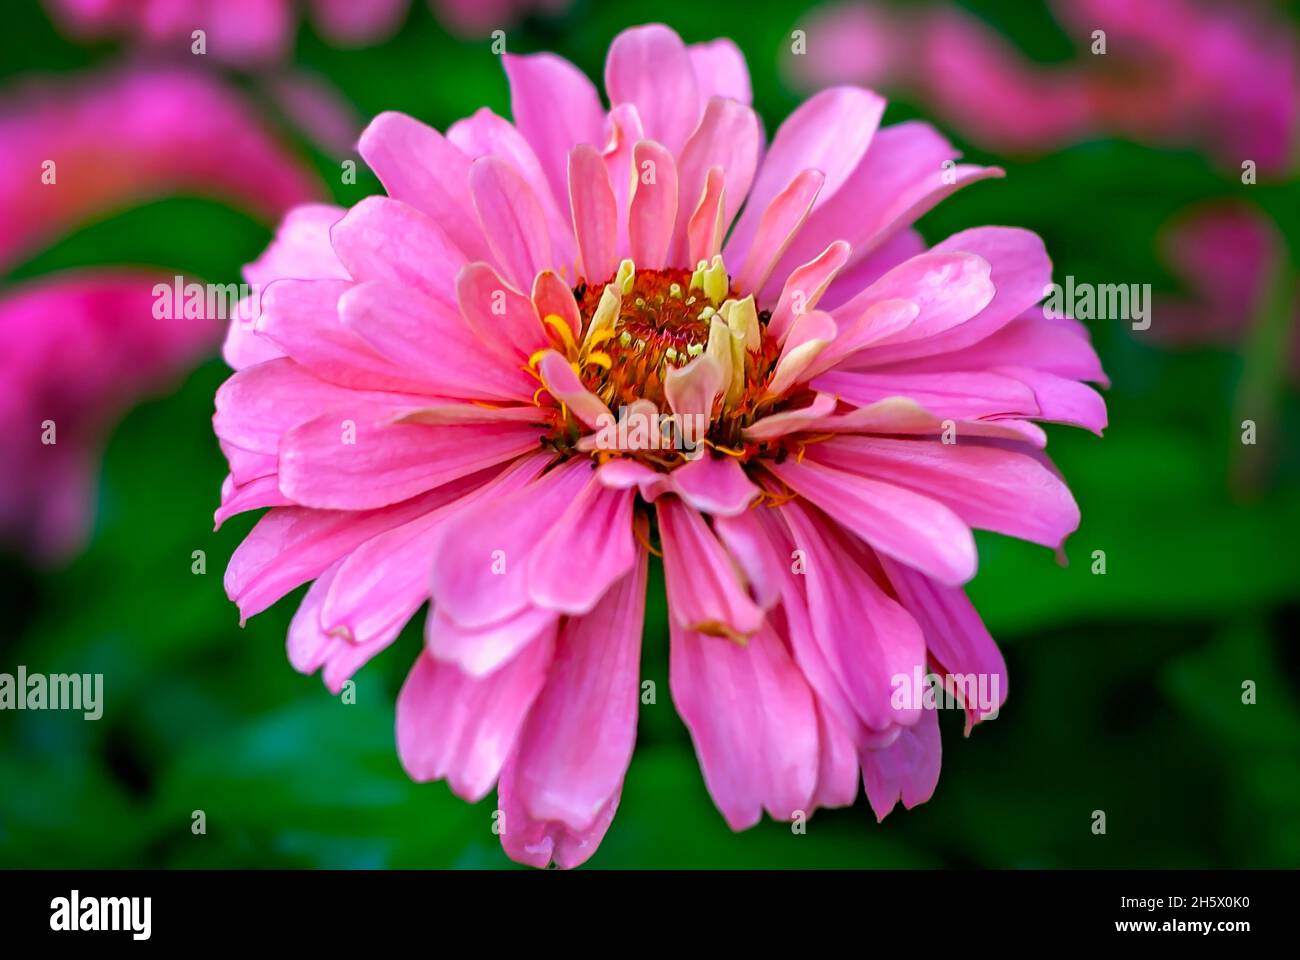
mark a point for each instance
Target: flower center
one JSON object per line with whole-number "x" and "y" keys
{"x": 662, "y": 324}
{"x": 656, "y": 342}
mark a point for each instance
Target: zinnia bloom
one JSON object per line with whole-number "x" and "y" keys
{"x": 1222, "y": 76}
{"x": 254, "y": 33}
{"x": 88, "y": 146}
{"x": 82, "y": 347}
{"x": 428, "y": 405}
{"x": 244, "y": 33}
{"x": 80, "y": 350}
{"x": 1230, "y": 258}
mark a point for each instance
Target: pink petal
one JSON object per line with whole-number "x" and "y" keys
{"x": 589, "y": 548}
{"x": 434, "y": 343}
{"x": 388, "y": 462}
{"x": 384, "y": 239}
{"x": 301, "y": 248}
{"x": 955, "y": 636}
{"x": 804, "y": 288}
{"x": 483, "y": 650}
{"x": 907, "y": 169}
{"x": 956, "y": 396}
{"x": 915, "y": 529}
{"x": 830, "y": 132}
{"x": 290, "y": 545}
{"x": 576, "y": 745}
{"x": 777, "y": 227}
{"x": 837, "y": 771}
{"x": 505, "y": 320}
{"x": 552, "y": 296}
{"x": 654, "y": 205}
{"x": 708, "y": 224}
{"x": 419, "y": 167}
{"x": 748, "y": 545}
{"x": 865, "y": 641}
{"x": 1062, "y": 400}
{"x": 810, "y": 333}
{"x": 512, "y": 219}
{"x": 452, "y": 726}
{"x": 720, "y": 70}
{"x": 871, "y": 266}
{"x": 703, "y": 593}
{"x": 262, "y": 492}
{"x": 538, "y": 843}
{"x": 257, "y": 405}
{"x": 595, "y": 214}
{"x": 1021, "y": 272}
{"x": 301, "y": 318}
{"x": 714, "y": 485}
{"x": 753, "y": 722}
{"x": 484, "y": 134}
{"x": 947, "y": 289}
{"x": 729, "y": 136}
{"x": 624, "y": 133}
{"x": 306, "y": 644}
{"x": 988, "y": 487}
{"x": 564, "y": 385}
{"x": 1055, "y": 345}
{"x": 480, "y": 569}
{"x": 691, "y": 390}
{"x": 907, "y": 770}
{"x": 384, "y": 581}
{"x": 555, "y": 107}
{"x": 650, "y": 68}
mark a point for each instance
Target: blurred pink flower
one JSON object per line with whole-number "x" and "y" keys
{"x": 82, "y": 347}
{"x": 79, "y": 149}
{"x": 1228, "y": 255}
{"x": 254, "y": 33}
{"x": 80, "y": 350}
{"x": 1224, "y": 77}
{"x": 243, "y": 33}
{"x": 449, "y": 394}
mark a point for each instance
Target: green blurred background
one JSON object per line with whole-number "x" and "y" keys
{"x": 1125, "y": 687}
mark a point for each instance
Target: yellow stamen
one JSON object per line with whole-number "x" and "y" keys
{"x": 561, "y": 327}
{"x": 599, "y": 337}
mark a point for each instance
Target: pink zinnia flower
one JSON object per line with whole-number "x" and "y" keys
{"x": 426, "y": 405}
{"x": 244, "y": 33}
{"x": 1222, "y": 76}
{"x": 81, "y": 348}
{"x": 88, "y": 146}
{"x": 253, "y": 33}
{"x": 1230, "y": 257}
